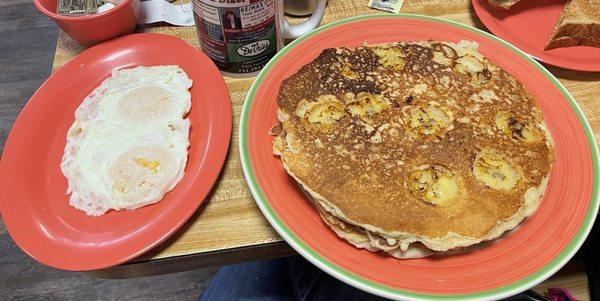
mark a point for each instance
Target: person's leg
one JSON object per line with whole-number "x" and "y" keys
{"x": 310, "y": 283}
{"x": 290, "y": 278}
{"x": 260, "y": 280}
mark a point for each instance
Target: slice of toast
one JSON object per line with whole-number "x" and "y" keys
{"x": 506, "y": 4}
{"x": 578, "y": 24}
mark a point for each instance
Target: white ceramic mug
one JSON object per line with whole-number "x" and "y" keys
{"x": 300, "y": 7}
{"x": 241, "y": 36}
{"x": 294, "y": 31}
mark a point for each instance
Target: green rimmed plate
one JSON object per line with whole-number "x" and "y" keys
{"x": 532, "y": 253}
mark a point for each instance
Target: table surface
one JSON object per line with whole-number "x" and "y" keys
{"x": 238, "y": 230}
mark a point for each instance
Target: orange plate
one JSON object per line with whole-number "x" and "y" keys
{"x": 528, "y": 25}
{"x": 34, "y": 205}
{"x": 530, "y": 254}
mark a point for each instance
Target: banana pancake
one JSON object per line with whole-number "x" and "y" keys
{"x": 413, "y": 148}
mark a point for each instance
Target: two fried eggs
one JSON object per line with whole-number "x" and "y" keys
{"x": 128, "y": 145}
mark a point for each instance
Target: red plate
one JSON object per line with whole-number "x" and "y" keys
{"x": 34, "y": 205}
{"x": 528, "y": 25}
{"x": 533, "y": 252}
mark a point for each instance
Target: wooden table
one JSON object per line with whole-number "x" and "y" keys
{"x": 229, "y": 228}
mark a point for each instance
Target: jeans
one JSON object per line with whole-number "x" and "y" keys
{"x": 293, "y": 278}
{"x": 281, "y": 279}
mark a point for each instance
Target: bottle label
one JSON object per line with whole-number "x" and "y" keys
{"x": 238, "y": 35}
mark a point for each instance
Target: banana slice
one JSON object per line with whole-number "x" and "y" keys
{"x": 427, "y": 120}
{"x": 495, "y": 171}
{"x": 344, "y": 68}
{"x": 326, "y": 109}
{"x": 347, "y": 72}
{"x": 444, "y": 54}
{"x": 474, "y": 68}
{"x": 367, "y": 104}
{"x": 433, "y": 184}
{"x": 390, "y": 57}
{"x": 512, "y": 127}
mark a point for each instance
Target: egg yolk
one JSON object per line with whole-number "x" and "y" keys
{"x": 152, "y": 165}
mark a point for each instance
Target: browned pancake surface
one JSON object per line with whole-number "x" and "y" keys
{"x": 363, "y": 163}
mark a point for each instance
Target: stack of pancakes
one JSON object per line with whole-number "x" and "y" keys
{"x": 413, "y": 148}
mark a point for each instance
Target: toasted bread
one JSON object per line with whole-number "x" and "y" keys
{"x": 578, "y": 25}
{"x": 506, "y": 4}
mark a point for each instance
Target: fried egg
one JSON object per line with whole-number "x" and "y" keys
{"x": 128, "y": 145}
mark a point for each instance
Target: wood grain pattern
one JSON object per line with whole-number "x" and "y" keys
{"x": 231, "y": 220}
{"x": 28, "y": 40}
{"x": 231, "y": 214}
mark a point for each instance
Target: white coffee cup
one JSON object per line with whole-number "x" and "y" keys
{"x": 300, "y": 7}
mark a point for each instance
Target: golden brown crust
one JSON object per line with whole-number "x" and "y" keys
{"x": 365, "y": 239}
{"x": 360, "y": 162}
{"x": 578, "y": 25}
{"x": 505, "y": 4}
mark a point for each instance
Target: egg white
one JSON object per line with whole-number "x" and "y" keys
{"x": 128, "y": 144}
